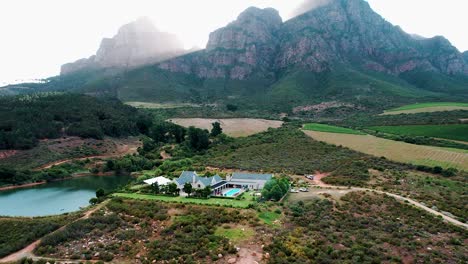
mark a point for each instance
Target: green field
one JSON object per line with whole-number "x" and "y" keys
{"x": 235, "y": 235}
{"x": 454, "y": 132}
{"x": 331, "y": 129}
{"x": 269, "y": 218}
{"x": 427, "y": 108}
{"x": 244, "y": 203}
{"x": 425, "y": 105}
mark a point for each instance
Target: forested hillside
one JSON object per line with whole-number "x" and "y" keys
{"x": 27, "y": 119}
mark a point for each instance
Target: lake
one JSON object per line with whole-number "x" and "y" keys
{"x": 56, "y": 197}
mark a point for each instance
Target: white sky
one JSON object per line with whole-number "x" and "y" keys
{"x": 37, "y": 36}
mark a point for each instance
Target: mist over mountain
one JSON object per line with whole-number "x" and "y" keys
{"x": 137, "y": 43}
{"x": 334, "y": 50}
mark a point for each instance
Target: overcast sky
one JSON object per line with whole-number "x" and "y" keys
{"x": 37, "y": 36}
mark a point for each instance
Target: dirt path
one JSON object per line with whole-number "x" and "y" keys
{"x": 318, "y": 182}
{"x": 27, "y": 252}
{"x": 124, "y": 150}
{"x": 164, "y": 155}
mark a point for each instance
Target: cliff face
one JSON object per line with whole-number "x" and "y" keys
{"x": 135, "y": 44}
{"x": 243, "y": 48}
{"x": 338, "y": 32}
{"x": 350, "y": 32}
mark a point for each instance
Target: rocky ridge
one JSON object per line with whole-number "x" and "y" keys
{"x": 342, "y": 32}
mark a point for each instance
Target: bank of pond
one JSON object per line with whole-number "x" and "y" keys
{"x": 57, "y": 197}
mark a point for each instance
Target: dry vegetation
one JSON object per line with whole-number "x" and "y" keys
{"x": 56, "y": 150}
{"x": 235, "y": 127}
{"x": 395, "y": 150}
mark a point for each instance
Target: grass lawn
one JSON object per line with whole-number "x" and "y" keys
{"x": 212, "y": 201}
{"x": 269, "y": 217}
{"x": 331, "y": 129}
{"x": 235, "y": 234}
{"x": 454, "y": 132}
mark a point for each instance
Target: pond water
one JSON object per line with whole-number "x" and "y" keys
{"x": 56, "y": 197}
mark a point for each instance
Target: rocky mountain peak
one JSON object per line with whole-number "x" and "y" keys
{"x": 253, "y": 26}
{"x": 137, "y": 43}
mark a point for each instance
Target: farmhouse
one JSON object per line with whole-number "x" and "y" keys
{"x": 233, "y": 186}
{"x": 197, "y": 182}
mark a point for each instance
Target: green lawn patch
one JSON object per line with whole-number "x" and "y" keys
{"x": 244, "y": 203}
{"x": 425, "y": 105}
{"x": 269, "y": 217}
{"x": 331, "y": 129}
{"x": 236, "y": 234}
{"x": 454, "y": 132}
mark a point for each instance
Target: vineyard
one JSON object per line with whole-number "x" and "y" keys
{"x": 395, "y": 150}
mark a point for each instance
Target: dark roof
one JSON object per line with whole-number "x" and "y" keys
{"x": 236, "y": 176}
{"x": 219, "y": 184}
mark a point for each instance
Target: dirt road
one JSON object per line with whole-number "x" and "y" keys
{"x": 317, "y": 181}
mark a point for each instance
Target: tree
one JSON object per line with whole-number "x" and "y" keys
{"x": 216, "y": 130}
{"x": 172, "y": 189}
{"x": 206, "y": 192}
{"x": 93, "y": 201}
{"x": 100, "y": 193}
{"x": 276, "y": 193}
{"x": 231, "y": 107}
{"x": 198, "y": 138}
{"x": 110, "y": 165}
{"x": 155, "y": 188}
{"x": 188, "y": 188}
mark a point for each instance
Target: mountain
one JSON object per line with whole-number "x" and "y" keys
{"x": 465, "y": 56}
{"x": 244, "y": 48}
{"x": 136, "y": 44}
{"x": 341, "y": 51}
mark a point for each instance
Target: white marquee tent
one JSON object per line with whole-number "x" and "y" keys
{"x": 160, "y": 180}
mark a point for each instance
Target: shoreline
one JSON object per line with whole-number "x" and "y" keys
{"x": 78, "y": 175}
{"x": 7, "y": 188}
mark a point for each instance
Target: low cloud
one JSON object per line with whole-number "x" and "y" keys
{"x": 308, "y": 5}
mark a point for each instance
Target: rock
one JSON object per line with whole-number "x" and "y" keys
{"x": 220, "y": 255}
{"x": 266, "y": 255}
{"x": 96, "y": 254}
{"x": 258, "y": 44}
{"x": 232, "y": 260}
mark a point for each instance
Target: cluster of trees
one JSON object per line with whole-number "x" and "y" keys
{"x": 449, "y": 172}
{"x": 12, "y": 176}
{"x": 200, "y": 193}
{"x": 130, "y": 163}
{"x": 275, "y": 189}
{"x": 168, "y": 189}
{"x": 26, "y": 119}
{"x": 191, "y": 140}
